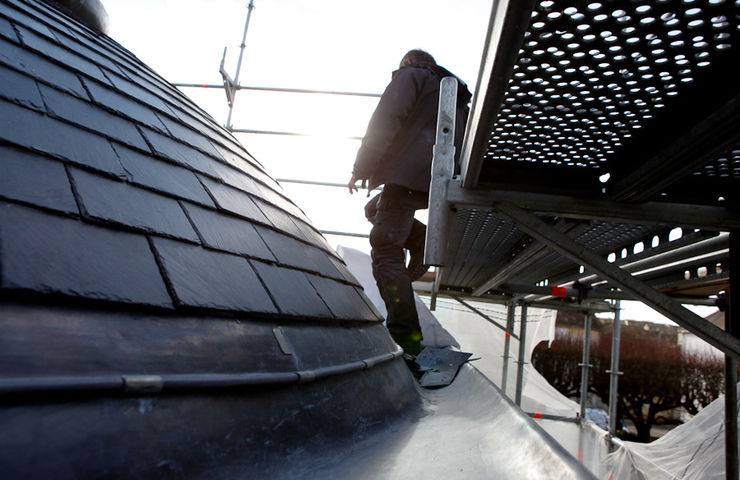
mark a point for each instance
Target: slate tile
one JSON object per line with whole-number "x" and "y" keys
{"x": 291, "y": 207}
{"x": 163, "y": 176}
{"x": 38, "y": 67}
{"x": 105, "y": 96}
{"x": 234, "y": 200}
{"x": 323, "y": 262}
{"x": 6, "y": 30}
{"x": 128, "y": 205}
{"x": 95, "y": 118}
{"x": 133, "y": 90}
{"x": 57, "y": 255}
{"x": 36, "y": 180}
{"x": 237, "y": 179}
{"x": 243, "y": 164}
{"x": 316, "y": 237}
{"x": 26, "y": 20}
{"x": 292, "y": 291}
{"x": 20, "y": 89}
{"x": 191, "y": 137}
{"x": 280, "y": 219}
{"x": 181, "y": 153}
{"x": 292, "y": 252}
{"x": 39, "y": 132}
{"x": 273, "y": 197}
{"x": 224, "y": 232}
{"x": 206, "y": 279}
{"x": 62, "y": 55}
{"x": 324, "y": 244}
{"x": 344, "y": 271}
{"x": 343, "y": 300}
{"x": 308, "y": 233}
{"x": 87, "y": 50}
{"x": 263, "y": 177}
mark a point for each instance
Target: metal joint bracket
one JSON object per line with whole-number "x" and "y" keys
{"x": 282, "y": 341}
{"x": 142, "y": 383}
{"x": 306, "y": 376}
{"x": 229, "y": 85}
{"x": 443, "y": 167}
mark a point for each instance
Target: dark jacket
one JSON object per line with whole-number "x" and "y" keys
{"x": 397, "y": 148}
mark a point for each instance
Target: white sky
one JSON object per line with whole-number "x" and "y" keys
{"x": 312, "y": 44}
{"x": 318, "y": 44}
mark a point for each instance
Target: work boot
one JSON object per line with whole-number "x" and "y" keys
{"x": 415, "y": 245}
{"x": 415, "y": 368}
{"x": 416, "y": 267}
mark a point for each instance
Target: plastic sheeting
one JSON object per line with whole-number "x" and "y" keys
{"x": 694, "y": 450}
{"x": 359, "y": 264}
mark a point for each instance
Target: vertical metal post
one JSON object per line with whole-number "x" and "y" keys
{"x": 614, "y": 371}
{"x": 250, "y": 7}
{"x": 585, "y": 364}
{"x": 510, "y": 309}
{"x": 522, "y": 350}
{"x": 732, "y": 325}
{"x": 435, "y": 288}
{"x": 443, "y": 167}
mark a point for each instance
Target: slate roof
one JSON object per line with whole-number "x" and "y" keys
{"x": 117, "y": 189}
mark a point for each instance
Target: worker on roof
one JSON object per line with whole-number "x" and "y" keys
{"x": 397, "y": 152}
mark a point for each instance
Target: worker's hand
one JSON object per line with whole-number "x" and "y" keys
{"x": 353, "y": 181}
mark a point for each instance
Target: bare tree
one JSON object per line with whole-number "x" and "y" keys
{"x": 559, "y": 363}
{"x": 657, "y": 376}
{"x": 651, "y": 383}
{"x": 702, "y": 380}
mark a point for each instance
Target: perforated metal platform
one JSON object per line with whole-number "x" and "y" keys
{"x": 610, "y": 123}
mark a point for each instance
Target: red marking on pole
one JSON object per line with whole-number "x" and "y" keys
{"x": 580, "y": 456}
{"x": 507, "y": 335}
{"x": 559, "y": 292}
{"x": 537, "y": 415}
{"x": 205, "y": 86}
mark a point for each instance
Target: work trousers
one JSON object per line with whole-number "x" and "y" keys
{"x": 394, "y": 228}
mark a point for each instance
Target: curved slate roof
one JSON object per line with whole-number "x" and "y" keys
{"x": 117, "y": 189}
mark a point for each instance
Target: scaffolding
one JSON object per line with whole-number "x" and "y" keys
{"x": 599, "y": 285}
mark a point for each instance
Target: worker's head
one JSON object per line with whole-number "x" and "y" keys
{"x": 417, "y": 56}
